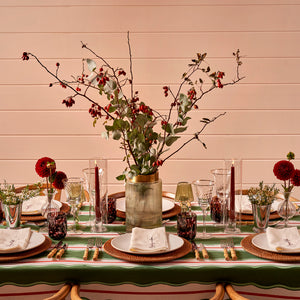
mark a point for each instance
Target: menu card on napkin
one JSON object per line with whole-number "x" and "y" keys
{"x": 283, "y": 238}
{"x": 14, "y": 240}
{"x": 149, "y": 240}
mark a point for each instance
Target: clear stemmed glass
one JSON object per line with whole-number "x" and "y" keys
{"x": 203, "y": 189}
{"x": 73, "y": 189}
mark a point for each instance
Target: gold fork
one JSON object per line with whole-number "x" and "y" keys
{"x": 98, "y": 247}
{"x": 89, "y": 245}
{"x": 230, "y": 244}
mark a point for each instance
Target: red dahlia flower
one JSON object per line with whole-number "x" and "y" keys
{"x": 296, "y": 178}
{"x": 283, "y": 170}
{"x": 43, "y": 166}
{"x": 58, "y": 181}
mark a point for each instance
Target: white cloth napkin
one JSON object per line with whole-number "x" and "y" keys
{"x": 36, "y": 205}
{"x": 14, "y": 240}
{"x": 149, "y": 240}
{"x": 282, "y": 239}
{"x": 243, "y": 203}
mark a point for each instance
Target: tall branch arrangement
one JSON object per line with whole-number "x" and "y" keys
{"x": 132, "y": 121}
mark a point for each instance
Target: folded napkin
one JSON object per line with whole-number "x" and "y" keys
{"x": 283, "y": 239}
{"x": 244, "y": 205}
{"x": 37, "y": 205}
{"x": 14, "y": 240}
{"x": 149, "y": 240}
{"x": 34, "y": 205}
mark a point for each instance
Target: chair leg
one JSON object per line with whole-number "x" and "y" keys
{"x": 75, "y": 292}
{"x": 220, "y": 292}
{"x": 61, "y": 294}
{"x": 233, "y": 295}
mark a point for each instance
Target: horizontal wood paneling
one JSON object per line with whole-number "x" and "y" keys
{"x": 262, "y": 120}
{"x": 241, "y": 96}
{"x": 152, "y": 45}
{"x": 85, "y": 147}
{"x": 150, "y": 18}
{"x": 78, "y": 123}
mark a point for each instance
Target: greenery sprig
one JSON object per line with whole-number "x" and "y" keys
{"x": 263, "y": 195}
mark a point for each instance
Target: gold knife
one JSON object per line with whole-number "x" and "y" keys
{"x": 61, "y": 251}
{"x": 54, "y": 250}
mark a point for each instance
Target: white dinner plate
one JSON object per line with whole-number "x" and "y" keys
{"x": 260, "y": 241}
{"x": 36, "y": 239}
{"x": 122, "y": 243}
{"x": 166, "y": 204}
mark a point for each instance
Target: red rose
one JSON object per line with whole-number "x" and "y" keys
{"x": 43, "y": 166}
{"x": 58, "y": 181}
{"x": 283, "y": 170}
{"x": 296, "y": 178}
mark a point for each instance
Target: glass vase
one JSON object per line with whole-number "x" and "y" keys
{"x": 261, "y": 216}
{"x": 143, "y": 202}
{"x": 286, "y": 210}
{"x": 13, "y": 215}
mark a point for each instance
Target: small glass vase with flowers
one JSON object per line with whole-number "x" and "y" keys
{"x": 56, "y": 224}
{"x": 285, "y": 170}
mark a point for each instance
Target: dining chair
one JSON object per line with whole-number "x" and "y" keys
{"x": 220, "y": 292}
{"x": 75, "y": 292}
{"x": 233, "y": 295}
{"x": 61, "y": 294}
{"x": 43, "y": 188}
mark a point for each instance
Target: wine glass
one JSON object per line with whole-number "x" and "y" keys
{"x": 73, "y": 189}
{"x": 203, "y": 189}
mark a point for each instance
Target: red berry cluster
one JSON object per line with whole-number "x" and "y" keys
{"x": 145, "y": 109}
{"x": 220, "y": 75}
{"x": 25, "y": 56}
{"x": 78, "y": 89}
{"x": 95, "y": 111}
{"x": 166, "y": 89}
{"x": 121, "y": 72}
{"x": 63, "y": 85}
{"x": 157, "y": 163}
{"x": 192, "y": 94}
{"x": 164, "y": 123}
{"x": 68, "y": 102}
{"x": 220, "y": 85}
{"x": 81, "y": 79}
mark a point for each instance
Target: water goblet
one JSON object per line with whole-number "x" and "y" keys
{"x": 73, "y": 189}
{"x": 203, "y": 189}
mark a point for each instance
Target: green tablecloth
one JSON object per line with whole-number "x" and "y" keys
{"x": 247, "y": 270}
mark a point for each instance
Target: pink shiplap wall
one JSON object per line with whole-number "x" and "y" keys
{"x": 263, "y": 112}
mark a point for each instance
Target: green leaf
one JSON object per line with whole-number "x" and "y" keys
{"x": 180, "y": 129}
{"x": 171, "y": 139}
{"x": 116, "y": 135}
{"x": 91, "y": 64}
{"x": 121, "y": 177}
{"x": 185, "y": 120}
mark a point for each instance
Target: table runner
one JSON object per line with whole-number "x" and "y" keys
{"x": 247, "y": 270}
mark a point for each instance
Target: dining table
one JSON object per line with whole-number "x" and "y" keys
{"x": 253, "y": 275}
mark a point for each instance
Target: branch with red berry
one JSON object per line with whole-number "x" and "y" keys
{"x": 132, "y": 121}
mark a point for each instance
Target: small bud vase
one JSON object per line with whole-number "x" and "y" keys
{"x": 286, "y": 210}
{"x": 143, "y": 202}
